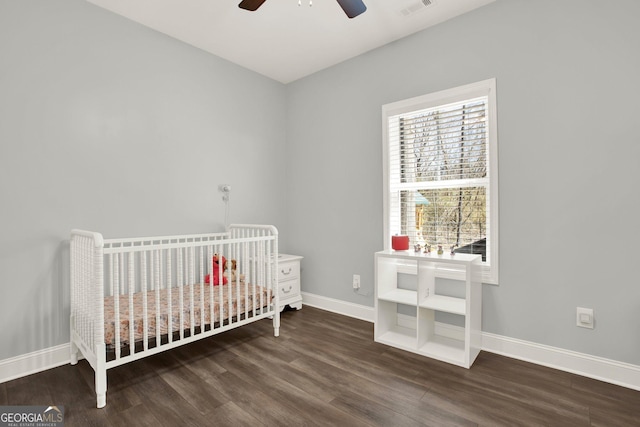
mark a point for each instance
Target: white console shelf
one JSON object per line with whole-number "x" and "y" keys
{"x": 426, "y": 300}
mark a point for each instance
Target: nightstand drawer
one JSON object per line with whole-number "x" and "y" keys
{"x": 288, "y": 289}
{"x": 288, "y": 271}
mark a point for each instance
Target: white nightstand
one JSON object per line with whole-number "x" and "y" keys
{"x": 289, "y": 281}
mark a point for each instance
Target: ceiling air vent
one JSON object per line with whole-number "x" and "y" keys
{"x": 416, "y": 7}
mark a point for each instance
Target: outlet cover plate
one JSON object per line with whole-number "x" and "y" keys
{"x": 584, "y": 317}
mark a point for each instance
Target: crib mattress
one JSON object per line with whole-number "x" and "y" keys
{"x": 247, "y": 302}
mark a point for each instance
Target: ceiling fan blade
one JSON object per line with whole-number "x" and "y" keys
{"x": 352, "y": 8}
{"x": 251, "y": 5}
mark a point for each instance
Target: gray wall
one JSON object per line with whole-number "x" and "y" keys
{"x": 109, "y": 126}
{"x": 567, "y": 75}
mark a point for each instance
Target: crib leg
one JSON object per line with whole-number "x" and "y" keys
{"x": 101, "y": 376}
{"x": 73, "y": 348}
{"x": 276, "y": 324}
{"x": 73, "y": 353}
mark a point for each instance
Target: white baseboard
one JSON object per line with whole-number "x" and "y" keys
{"x": 350, "y": 309}
{"x": 31, "y": 363}
{"x": 599, "y": 368}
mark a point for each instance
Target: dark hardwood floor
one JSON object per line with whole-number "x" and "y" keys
{"x": 324, "y": 369}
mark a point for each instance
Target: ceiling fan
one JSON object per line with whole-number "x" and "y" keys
{"x": 352, "y": 8}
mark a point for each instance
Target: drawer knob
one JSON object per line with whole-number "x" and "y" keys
{"x": 286, "y": 272}
{"x": 286, "y": 292}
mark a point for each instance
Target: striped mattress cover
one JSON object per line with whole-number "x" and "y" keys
{"x": 248, "y": 301}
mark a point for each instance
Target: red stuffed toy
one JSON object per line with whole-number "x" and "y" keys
{"x": 215, "y": 268}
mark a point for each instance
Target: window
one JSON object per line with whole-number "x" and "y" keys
{"x": 441, "y": 171}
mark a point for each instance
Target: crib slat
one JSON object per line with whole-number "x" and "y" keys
{"x": 257, "y": 273}
{"x": 251, "y": 275}
{"x": 220, "y": 294}
{"x": 131, "y": 286}
{"x": 145, "y": 308}
{"x": 156, "y": 287}
{"x": 122, "y": 272}
{"x": 212, "y": 316}
{"x": 229, "y": 294}
{"x": 191, "y": 264}
{"x": 262, "y": 268}
{"x": 169, "y": 296}
{"x": 115, "y": 277}
{"x": 201, "y": 282}
{"x": 237, "y": 282}
{"x": 181, "y": 292}
{"x": 240, "y": 269}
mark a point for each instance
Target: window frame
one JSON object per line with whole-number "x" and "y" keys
{"x": 490, "y": 273}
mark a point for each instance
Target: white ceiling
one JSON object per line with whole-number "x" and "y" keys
{"x": 282, "y": 40}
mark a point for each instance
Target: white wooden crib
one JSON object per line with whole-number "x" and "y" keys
{"x": 135, "y": 297}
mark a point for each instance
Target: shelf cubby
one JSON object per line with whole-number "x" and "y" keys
{"x": 389, "y": 332}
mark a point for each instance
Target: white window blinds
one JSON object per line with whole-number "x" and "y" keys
{"x": 439, "y": 173}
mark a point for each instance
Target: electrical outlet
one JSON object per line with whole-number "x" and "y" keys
{"x": 356, "y": 281}
{"x": 584, "y": 317}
